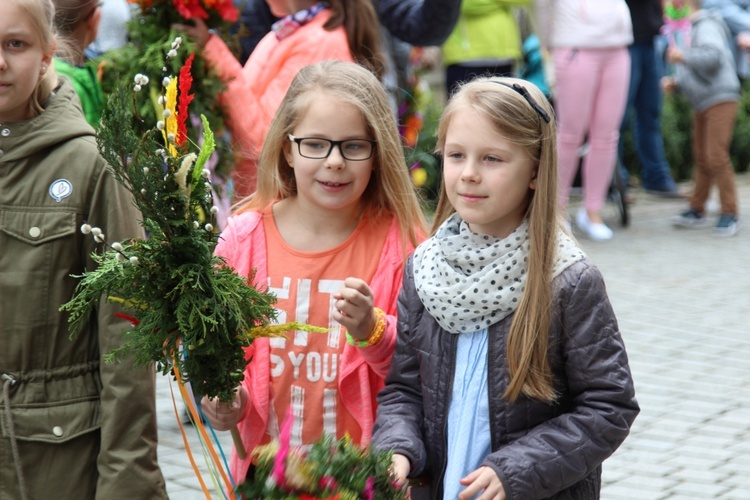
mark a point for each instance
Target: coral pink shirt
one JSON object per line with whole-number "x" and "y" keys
{"x": 305, "y": 366}
{"x": 254, "y": 92}
{"x": 362, "y": 371}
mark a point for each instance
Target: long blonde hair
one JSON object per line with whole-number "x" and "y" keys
{"x": 390, "y": 190}
{"x": 41, "y": 15}
{"x": 520, "y": 122}
{"x": 360, "y": 21}
{"x": 70, "y": 16}
{"x": 71, "y": 13}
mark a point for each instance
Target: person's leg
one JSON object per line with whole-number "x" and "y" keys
{"x": 720, "y": 121}
{"x": 660, "y": 48}
{"x": 701, "y": 176}
{"x": 503, "y": 70}
{"x": 456, "y": 74}
{"x": 633, "y": 89}
{"x": 655, "y": 172}
{"x": 576, "y": 79}
{"x": 610, "y": 98}
{"x": 694, "y": 216}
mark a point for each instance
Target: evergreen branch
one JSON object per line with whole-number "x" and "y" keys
{"x": 194, "y": 314}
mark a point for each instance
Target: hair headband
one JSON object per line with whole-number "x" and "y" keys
{"x": 525, "y": 93}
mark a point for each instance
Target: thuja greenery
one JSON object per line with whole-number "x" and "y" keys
{"x": 190, "y": 311}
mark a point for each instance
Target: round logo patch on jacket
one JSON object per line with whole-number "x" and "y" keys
{"x": 61, "y": 188}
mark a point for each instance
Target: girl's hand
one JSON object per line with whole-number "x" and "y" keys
{"x": 400, "y": 468}
{"x": 675, "y": 55}
{"x": 224, "y": 416}
{"x": 198, "y": 32}
{"x": 668, "y": 84}
{"x": 354, "y": 308}
{"x": 743, "y": 41}
{"x": 482, "y": 479}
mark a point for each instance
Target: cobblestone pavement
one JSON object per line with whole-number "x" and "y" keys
{"x": 682, "y": 298}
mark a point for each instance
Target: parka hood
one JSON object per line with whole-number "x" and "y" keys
{"x": 60, "y": 121}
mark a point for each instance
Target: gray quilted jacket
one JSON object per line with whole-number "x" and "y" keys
{"x": 540, "y": 450}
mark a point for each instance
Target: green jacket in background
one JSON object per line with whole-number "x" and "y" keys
{"x": 85, "y": 429}
{"x": 87, "y": 87}
{"x": 486, "y": 30}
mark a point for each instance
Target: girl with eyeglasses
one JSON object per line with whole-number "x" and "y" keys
{"x": 308, "y": 31}
{"x": 328, "y": 231}
{"x": 509, "y": 378}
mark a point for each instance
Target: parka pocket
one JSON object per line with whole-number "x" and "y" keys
{"x": 36, "y": 227}
{"x": 54, "y": 423}
{"x": 40, "y": 250}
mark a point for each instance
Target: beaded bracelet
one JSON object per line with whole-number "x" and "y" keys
{"x": 376, "y": 335}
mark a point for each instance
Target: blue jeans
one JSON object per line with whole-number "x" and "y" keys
{"x": 644, "y": 98}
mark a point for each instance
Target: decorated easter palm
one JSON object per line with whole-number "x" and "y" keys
{"x": 191, "y": 314}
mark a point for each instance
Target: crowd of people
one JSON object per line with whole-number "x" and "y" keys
{"x": 481, "y": 349}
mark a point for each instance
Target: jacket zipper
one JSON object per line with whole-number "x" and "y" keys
{"x": 441, "y": 476}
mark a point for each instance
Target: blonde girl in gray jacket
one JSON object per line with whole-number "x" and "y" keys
{"x": 510, "y": 378}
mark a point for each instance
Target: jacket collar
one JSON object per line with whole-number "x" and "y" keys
{"x": 286, "y": 26}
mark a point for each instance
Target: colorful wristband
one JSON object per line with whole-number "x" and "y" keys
{"x": 376, "y": 335}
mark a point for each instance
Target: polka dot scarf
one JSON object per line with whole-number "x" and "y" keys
{"x": 469, "y": 281}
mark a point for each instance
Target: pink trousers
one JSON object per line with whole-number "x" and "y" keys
{"x": 591, "y": 92}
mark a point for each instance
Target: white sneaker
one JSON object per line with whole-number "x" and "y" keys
{"x": 593, "y": 230}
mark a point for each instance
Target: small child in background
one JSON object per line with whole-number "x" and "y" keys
{"x": 707, "y": 75}
{"x": 78, "y": 21}
{"x": 328, "y": 231}
{"x": 510, "y": 378}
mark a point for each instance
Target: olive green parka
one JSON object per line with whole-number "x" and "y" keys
{"x": 82, "y": 428}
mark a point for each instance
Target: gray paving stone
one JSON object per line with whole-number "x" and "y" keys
{"x": 624, "y": 492}
{"x": 738, "y": 494}
{"x": 695, "y": 489}
{"x": 644, "y": 486}
{"x": 739, "y": 481}
{"x": 714, "y": 476}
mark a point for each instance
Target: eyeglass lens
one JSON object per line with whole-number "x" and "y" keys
{"x": 351, "y": 149}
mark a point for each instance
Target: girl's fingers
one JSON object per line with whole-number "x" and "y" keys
{"x": 359, "y": 296}
{"x": 482, "y": 480}
{"x": 470, "y": 478}
{"x": 350, "y": 301}
{"x": 359, "y": 286}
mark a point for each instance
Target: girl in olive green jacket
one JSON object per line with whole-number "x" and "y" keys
{"x": 72, "y": 426}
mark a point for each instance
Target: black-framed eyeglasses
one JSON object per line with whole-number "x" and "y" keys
{"x": 525, "y": 94}
{"x": 317, "y": 148}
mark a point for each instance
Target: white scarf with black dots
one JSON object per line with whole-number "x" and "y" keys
{"x": 469, "y": 281}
